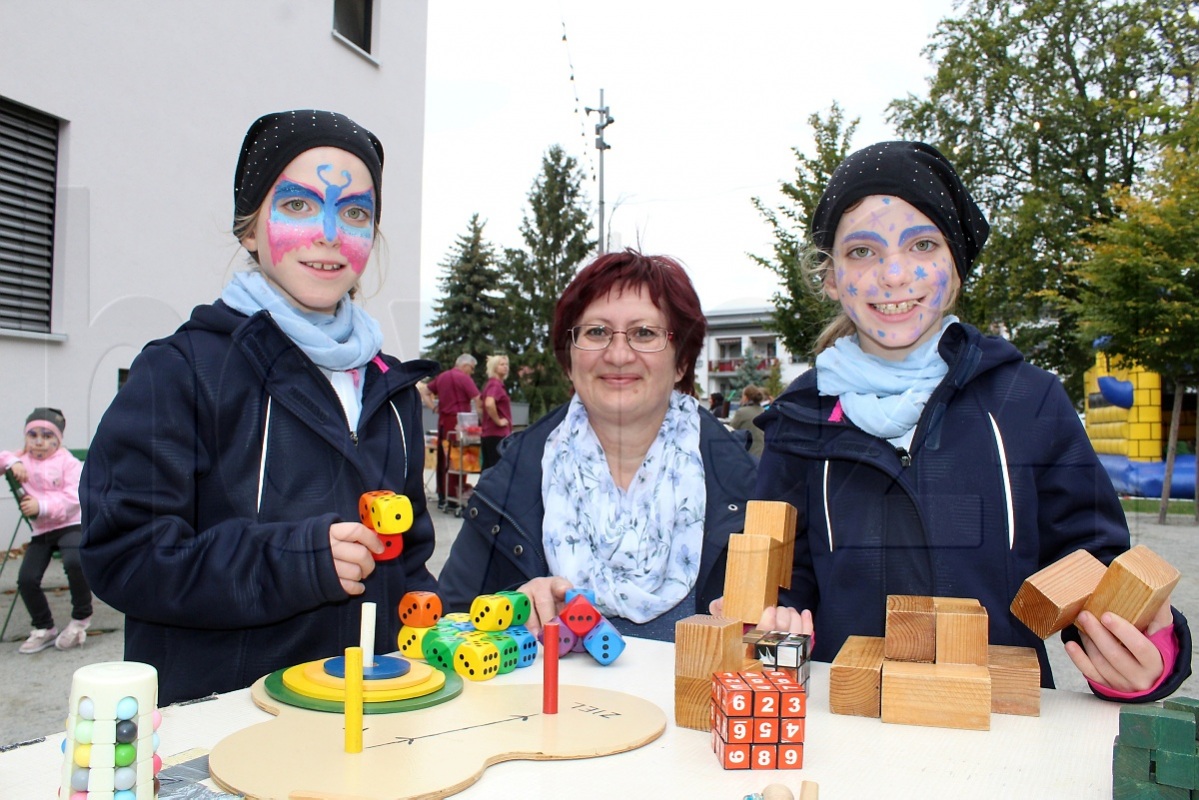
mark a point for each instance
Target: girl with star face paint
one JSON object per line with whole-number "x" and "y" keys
{"x": 925, "y": 458}
{"x": 220, "y": 494}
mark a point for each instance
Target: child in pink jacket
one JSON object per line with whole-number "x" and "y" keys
{"x": 49, "y": 497}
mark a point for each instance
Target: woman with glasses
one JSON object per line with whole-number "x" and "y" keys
{"x": 631, "y": 489}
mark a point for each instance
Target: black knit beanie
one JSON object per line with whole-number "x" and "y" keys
{"x": 915, "y": 172}
{"x": 51, "y": 415}
{"x": 274, "y": 140}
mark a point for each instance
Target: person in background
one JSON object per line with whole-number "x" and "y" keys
{"x": 926, "y": 458}
{"x": 456, "y": 394}
{"x": 631, "y": 489}
{"x": 49, "y": 478}
{"x": 497, "y": 410}
{"x": 221, "y": 490}
{"x": 743, "y": 418}
{"x": 718, "y": 406}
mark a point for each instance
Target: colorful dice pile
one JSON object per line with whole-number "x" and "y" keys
{"x": 110, "y": 751}
{"x": 584, "y": 629}
{"x": 491, "y": 640}
{"x": 758, "y": 720}
{"x": 389, "y": 515}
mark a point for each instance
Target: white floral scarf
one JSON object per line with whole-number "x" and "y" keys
{"x": 637, "y": 549}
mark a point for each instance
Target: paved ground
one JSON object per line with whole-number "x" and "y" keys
{"x": 34, "y": 688}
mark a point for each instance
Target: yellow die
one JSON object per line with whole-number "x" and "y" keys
{"x": 491, "y": 612}
{"x": 410, "y": 640}
{"x": 477, "y": 660}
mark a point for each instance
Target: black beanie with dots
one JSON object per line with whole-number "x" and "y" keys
{"x": 274, "y": 140}
{"x": 915, "y": 172}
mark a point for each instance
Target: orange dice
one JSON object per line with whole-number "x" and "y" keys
{"x": 389, "y": 515}
{"x": 420, "y": 609}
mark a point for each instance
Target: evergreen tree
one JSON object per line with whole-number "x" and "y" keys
{"x": 747, "y": 373}
{"x": 555, "y": 232}
{"x": 467, "y": 313}
{"x": 1044, "y": 106}
{"x": 800, "y": 312}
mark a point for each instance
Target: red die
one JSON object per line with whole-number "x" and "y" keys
{"x": 420, "y": 609}
{"x": 766, "y": 729}
{"x": 791, "y": 730}
{"x": 763, "y": 756}
{"x": 790, "y": 756}
{"x": 579, "y": 615}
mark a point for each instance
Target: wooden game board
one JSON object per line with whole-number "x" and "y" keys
{"x": 426, "y": 754}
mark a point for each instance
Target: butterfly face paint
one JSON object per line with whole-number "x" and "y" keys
{"x": 302, "y": 216}
{"x": 893, "y": 274}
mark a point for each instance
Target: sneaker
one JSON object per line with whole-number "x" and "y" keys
{"x": 74, "y": 635}
{"x": 39, "y": 639}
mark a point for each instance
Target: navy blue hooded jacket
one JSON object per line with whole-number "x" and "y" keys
{"x": 218, "y": 552}
{"x": 1000, "y": 481}
{"x": 500, "y": 545}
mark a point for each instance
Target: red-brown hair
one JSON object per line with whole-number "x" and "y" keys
{"x": 669, "y": 289}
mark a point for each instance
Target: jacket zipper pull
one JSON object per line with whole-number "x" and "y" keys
{"x": 354, "y": 437}
{"x": 905, "y": 458}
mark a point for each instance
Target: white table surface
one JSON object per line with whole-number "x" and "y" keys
{"x": 1064, "y": 753}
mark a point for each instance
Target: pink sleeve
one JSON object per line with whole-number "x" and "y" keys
{"x": 1167, "y": 644}
{"x": 8, "y": 458}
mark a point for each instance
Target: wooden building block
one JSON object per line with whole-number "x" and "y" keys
{"x": 1154, "y": 728}
{"x": 776, "y": 519}
{"x": 693, "y": 702}
{"x": 809, "y": 790}
{"x": 705, "y": 644}
{"x": 939, "y": 695}
{"x": 1135, "y": 585}
{"x": 1051, "y": 598}
{"x": 1133, "y": 763}
{"x": 749, "y": 578}
{"x": 911, "y": 632}
{"x": 1015, "y": 680}
{"x": 962, "y": 634}
{"x": 855, "y": 677}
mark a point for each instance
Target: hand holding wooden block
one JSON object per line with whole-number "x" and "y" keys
{"x": 1134, "y": 587}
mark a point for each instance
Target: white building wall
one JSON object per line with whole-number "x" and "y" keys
{"x": 154, "y": 99}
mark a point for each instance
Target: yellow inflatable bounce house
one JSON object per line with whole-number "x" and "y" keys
{"x": 1128, "y": 422}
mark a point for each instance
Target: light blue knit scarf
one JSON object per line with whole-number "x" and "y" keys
{"x": 882, "y": 397}
{"x": 344, "y": 340}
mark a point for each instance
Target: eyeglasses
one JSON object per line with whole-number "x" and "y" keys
{"x": 643, "y": 339}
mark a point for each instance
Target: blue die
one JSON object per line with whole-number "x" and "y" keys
{"x": 527, "y": 643}
{"x": 588, "y": 593}
{"x": 604, "y": 642}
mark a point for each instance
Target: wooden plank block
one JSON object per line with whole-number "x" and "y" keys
{"x": 962, "y": 634}
{"x": 938, "y": 695}
{"x": 809, "y": 790}
{"x": 1051, "y": 598}
{"x": 1135, "y": 585}
{"x": 1015, "y": 680}
{"x": 776, "y": 519}
{"x": 749, "y": 578}
{"x": 705, "y": 644}
{"x": 855, "y": 677}
{"x": 692, "y": 701}
{"x": 911, "y": 632}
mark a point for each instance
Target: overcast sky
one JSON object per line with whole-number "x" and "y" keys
{"x": 708, "y": 100}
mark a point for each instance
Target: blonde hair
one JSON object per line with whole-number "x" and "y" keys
{"x": 493, "y": 365}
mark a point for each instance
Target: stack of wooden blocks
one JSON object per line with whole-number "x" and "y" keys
{"x": 934, "y": 666}
{"x": 757, "y": 720}
{"x": 1156, "y": 755}
{"x": 760, "y": 560}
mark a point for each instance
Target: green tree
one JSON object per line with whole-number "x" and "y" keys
{"x": 555, "y": 230}
{"x": 1044, "y": 106}
{"x": 774, "y": 381}
{"x": 800, "y": 312}
{"x": 466, "y": 315}
{"x": 747, "y": 373}
{"x": 1140, "y": 284}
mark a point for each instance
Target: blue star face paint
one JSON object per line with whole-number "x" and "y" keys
{"x": 892, "y": 273}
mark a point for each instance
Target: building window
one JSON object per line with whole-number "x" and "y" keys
{"x": 729, "y": 348}
{"x": 28, "y": 175}
{"x": 352, "y": 20}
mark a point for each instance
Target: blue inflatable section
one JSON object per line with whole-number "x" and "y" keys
{"x": 1145, "y": 478}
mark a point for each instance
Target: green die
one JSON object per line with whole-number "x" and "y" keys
{"x": 1135, "y": 763}
{"x": 438, "y": 648}
{"x": 509, "y": 650}
{"x": 1154, "y": 728}
{"x": 521, "y": 606}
